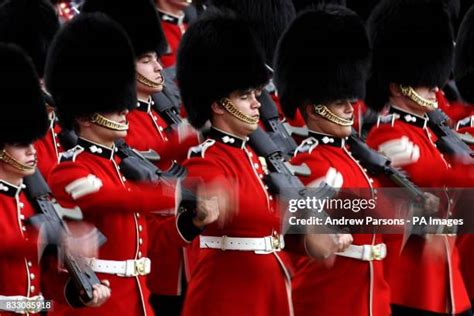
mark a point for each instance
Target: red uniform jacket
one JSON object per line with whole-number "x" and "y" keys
{"x": 236, "y": 282}
{"x": 174, "y": 28}
{"x": 466, "y": 242}
{"x": 422, "y": 279}
{"x": 90, "y": 178}
{"x": 319, "y": 289}
{"x": 147, "y": 130}
{"x": 455, "y": 110}
{"x": 48, "y": 148}
{"x": 19, "y": 270}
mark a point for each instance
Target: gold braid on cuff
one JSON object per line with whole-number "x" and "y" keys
{"x": 6, "y": 158}
{"x": 410, "y": 93}
{"x": 147, "y": 82}
{"x": 105, "y": 122}
{"x": 230, "y": 107}
{"x": 330, "y": 116}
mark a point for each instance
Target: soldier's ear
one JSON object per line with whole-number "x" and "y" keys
{"x": 83, "y": 121}
{"x": 394, "y": 90}
{"x": 217, "y": 109}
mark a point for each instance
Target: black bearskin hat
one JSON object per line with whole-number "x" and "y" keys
{"x": 217, "y": 55}
{"x": 90, "y": 68}
{"x": 267, "y": 19}
{"x": 323, "y": 56}
{"x": 139, "y": 19}
{"x": 464, "y": 57}
{"x": 30, "y": 24}
{"x": 412, "y": 44}
{"x": 24, "y": 118}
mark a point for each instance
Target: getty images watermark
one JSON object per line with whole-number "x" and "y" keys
{"x": 385, "y": 210}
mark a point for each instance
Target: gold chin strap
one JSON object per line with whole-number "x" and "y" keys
{"x": 230, "y": 107}
{"x": 105, "y": 122}
{"x": 411, "y": 94}
{"x": 149, "y": 83}
{"x": 6, "y": 158}
{"x": 328, "y": 115}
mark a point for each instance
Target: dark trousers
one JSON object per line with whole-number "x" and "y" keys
{"x": 166, "y": 305}
{"x": 169, "y": 305}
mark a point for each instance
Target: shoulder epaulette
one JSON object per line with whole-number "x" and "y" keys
{"x": 199, "y": 151}
{"x": 307, "y": 146}
{"x": 71, "y": 154}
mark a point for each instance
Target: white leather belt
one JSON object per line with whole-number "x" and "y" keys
{"x": 261, "y": 245}
{"x": 126, "y": 268}
{"x": 21, "y": 304}
{"x": 365, "y": 252}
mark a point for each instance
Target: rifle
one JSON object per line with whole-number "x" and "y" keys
{"x": 282, "y": 179}
{"x": 448, "y": 141}
{"x": 376, "y": 164}
{"x": 52, "y": 215}
{"x": 278, "y": 131}
{"x": 136, "y": 167}
{"x": 168, "y": 101}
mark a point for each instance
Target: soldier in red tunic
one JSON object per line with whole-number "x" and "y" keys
{"x": 412, "y": 58}
{"x": 268, "y": 20}
{"x": 240, "y": 269}
{"x": 241, "y": 274}
{"x": 323, "y": 79}
{"x": 32, "y": 25}
{"x": 464, "y": 75}
{"x": 24, "y": 120}
{"x": 464, "y": 71}
{"x": 91, "y": 75}
{"x": 148, "y": 131}
{"x": 173, "y": 22}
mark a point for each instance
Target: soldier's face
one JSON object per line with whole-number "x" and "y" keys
{"x": 343, "y": 109}
{"x": 25, "y": 154}
{"x": 107, "y": 135}
{"x": 247, "y": 103}
{"x": 424, "y": 92}
{"x": 148, "y": 66}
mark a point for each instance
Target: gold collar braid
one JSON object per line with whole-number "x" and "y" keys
{"x": 230, "y": 107}
{"x": 330, "y": 116}
{"x": 105, "y": 122}
{"x": 411, "y": 94}
{"x": 8, "y": 159}
{"x": 149, "y": 83}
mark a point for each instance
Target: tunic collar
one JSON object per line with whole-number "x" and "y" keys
{"x": 227, "y": 138}
{"x": 97, "y": 149}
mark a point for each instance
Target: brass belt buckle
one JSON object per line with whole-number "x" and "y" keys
{"x": 276, "y": 244}
{"x": 376, "y": 253}
{"x": 140, "y": 268}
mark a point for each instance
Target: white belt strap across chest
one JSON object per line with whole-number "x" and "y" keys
{"x": 262, "y": 245}
{"x": 365, "y": 252}
{"x": 126, "y": 268}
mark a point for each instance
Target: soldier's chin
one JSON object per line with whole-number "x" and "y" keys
{"x": 344, "y": 131}
{"x": 253, "y": 126}
{"x": 120, "y": 134}
{"x": 29, "y": 172}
